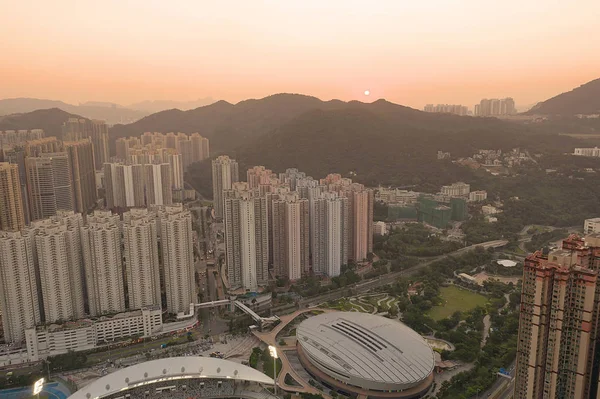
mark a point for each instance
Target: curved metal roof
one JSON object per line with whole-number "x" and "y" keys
{"x": 169, "y": 369}
{"x": 367, "y": 349}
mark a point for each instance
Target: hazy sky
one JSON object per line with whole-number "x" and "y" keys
{"x": 409, "y": 52}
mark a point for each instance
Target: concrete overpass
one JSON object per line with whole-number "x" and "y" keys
{"x": 263, "y": 321}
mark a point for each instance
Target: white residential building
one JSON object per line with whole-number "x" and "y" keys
{"x": 476, "y": 196}
{"x": 142, "y": 266}
{"x": 591, "y": 226}
{"x": 19, "y": 302}
{"x": 459, "y": 189}
{"x": 331, "y": 229}
{"x": 380, "y": 228}
{"x": 103, "y": 261}
{"x": 177, "y": 251}
{"x": 246, "y": 237}
{"x": 58, "y": 250}
{"x": 224, "y": 174}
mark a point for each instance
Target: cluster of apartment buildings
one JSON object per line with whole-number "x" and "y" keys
{"x": 42, "y": 175}
{"x": 148, "y": 170}
{"x": 292, "y": 222}
{"x": 71, "y": 270}
{"x": 495, "y": 107}
{"x": 455, "y": 109}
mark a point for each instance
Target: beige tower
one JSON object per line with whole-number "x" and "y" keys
{"x": 177, "y": 251}
{"x": 103, "y": 263}
{"x": 12, "y": 216}
{"x": 81, "y": 160}
{"x": 49, "y": 184}
{"x": 140, "y": 239}
{"x": 224, "y": 174}
{"x": 98, "y": 133}
{"x": 19, "y": 300}
{"x": 291, "y": 236}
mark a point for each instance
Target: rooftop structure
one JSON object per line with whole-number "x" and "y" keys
{"x": 181, "y": 373}
{"x": 366, "y": 354}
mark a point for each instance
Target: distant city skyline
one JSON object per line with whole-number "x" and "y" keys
{"x": 411, "y": 53}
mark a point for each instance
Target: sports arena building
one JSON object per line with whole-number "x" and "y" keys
{"x": 360, "y": 354}
{"x": 181, "y": 378}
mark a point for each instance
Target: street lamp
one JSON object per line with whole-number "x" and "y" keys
{"x": 273, "y": 351}
{"x": 37, "y": 387}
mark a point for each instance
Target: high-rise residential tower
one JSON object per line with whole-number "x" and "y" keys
{"x": 158, "y": 185}
{"x": 291, "y": 255}
{"x": 246, "y": 237}
{"x": 59, "y": 257}
{"x": 124, "y": 185}
{"x": 330, "y": 235}
{"x": 557, "y": 347}
{"x": 12, "y": 216}
{"x": 98, "y": 133}
{"x": 142, "y": 266}
{"x": 177, "y": 251}
{"x": 19, "y": 301}
{"x": 49, "y": 184}
{"x": 81, "y": 160}
{"x": 75, "y": 129}
{"x": 224, "y": 174}
{"x": 103, "y": 261}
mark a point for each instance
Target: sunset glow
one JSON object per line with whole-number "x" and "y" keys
{"x": 413, "y": 52}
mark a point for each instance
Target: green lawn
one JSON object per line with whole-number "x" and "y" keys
{"x": 456, "y": 299}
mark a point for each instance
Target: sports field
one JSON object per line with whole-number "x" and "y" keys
{"x": 456, "y": 299}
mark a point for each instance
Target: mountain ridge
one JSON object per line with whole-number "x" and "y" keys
{"x": 584, "y": 99}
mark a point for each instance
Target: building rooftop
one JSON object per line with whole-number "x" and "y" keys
{"x": 367, "y": 347}
{"x": 169, "y": 369}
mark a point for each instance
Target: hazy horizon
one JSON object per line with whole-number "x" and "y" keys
{"x": 408, "y": 53}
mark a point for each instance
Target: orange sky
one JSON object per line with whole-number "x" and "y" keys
{"x": 409, "y": 52}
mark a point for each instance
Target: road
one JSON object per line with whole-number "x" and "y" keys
{"x": 389, "y": 278}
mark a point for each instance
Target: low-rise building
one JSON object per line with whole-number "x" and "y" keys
{"x": 591, "y": 226}
{"x": 379, "y": 228}
{"x": 55, "y": 339}
{"x": 489, "y": 210}
{"x": 476, "y": 196}
{"x": 456, "y": 189}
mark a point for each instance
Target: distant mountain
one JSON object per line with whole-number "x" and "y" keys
{"x": 51, "y": 120}
{"x": 111, "y": 113}
{"x": 228, "y": 126}
{"x": 584, "y": 99}
{"x": 161, "y": 105}
{"x": 379, "y": 143}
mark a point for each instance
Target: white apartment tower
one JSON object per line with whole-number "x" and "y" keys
{"x": 175, "y": 230}
{"x": 124, "y": 185}
{"x": 224, "y": 174}
{"x": 142, "y": 266}
{"x": 158, "y": 184}
{"x": 330, "y": 234}
{"x": 58, "y": 251}
{"x": 246, "y": 237}
{"x": 19, "y": 300}
{"x": 103, "y": 263}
